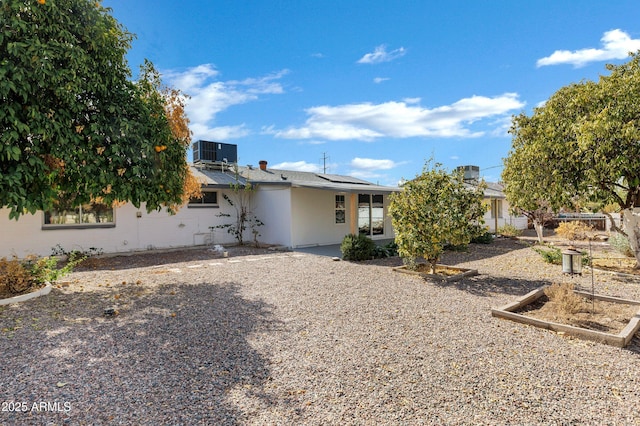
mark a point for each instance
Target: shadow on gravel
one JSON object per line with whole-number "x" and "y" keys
{"x": 486, "y": 285}
{"x": 474, "y": 252}
{"x": 167, "y": 257}
{"x": 177, "y": 354}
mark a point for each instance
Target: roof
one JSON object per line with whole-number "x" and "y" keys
{"x": 289, "y": 178}
{"x": 493, "y": 189}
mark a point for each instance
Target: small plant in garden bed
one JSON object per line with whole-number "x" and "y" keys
{"x": 508, "y": 230}
{"x": 19, "y": 276}
{"x": 554, "y": 255}
{"x": 574, "y": 230}
{"x": 360, "y": 247}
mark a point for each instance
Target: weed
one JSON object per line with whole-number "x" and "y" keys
{"x": 564, "y": 300}
{"x": 574, "y": 230}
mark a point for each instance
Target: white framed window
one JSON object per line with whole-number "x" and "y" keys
{"x": 341, "y": 209}
{"x": 209, "y": 199}
{"x": 89, "y": 215}
{"x": 371, "y": 214}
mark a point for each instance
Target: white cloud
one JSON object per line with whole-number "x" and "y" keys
{"x": 300, "y": 166}
{"x": 220, "y": 133}
{"x": 372, "y": 164}
{"x": 367, "y": 121}
{"x": 209, "y": 96}
{"x": 380, "y": 55}
{"x": 616, "y": 44}
{"x": 379, "y": 80}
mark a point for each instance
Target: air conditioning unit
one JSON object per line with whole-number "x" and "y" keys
{"x": 214, "y": 152}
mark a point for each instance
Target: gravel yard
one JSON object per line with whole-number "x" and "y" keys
{"x": 293, "y": 338}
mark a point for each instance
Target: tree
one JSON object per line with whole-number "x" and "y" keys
{"x": 241, "y": 200}
{"x": 586, "y": 146}
{"x": 433, "y": 210}
{"x": 72, "y": 122}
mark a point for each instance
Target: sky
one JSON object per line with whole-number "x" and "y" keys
{"x": 373, "y": 89}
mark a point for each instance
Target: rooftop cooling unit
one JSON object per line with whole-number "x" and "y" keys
{"x": 214, "y": 152}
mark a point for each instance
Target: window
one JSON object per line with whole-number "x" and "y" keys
{"x": 208, "y": 199}
{"x": 340, "y": 209}
{"x": 496, "y": 209}
{"x": 371, "y": 214}
{"x": 84, "y": 216}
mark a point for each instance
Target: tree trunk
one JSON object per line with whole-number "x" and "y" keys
{"x": 631, "y": 225}
{"x": 539, "y": 227}
{"x": 432, "y": 265}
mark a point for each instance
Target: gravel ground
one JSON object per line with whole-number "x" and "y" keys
{"x": 289, "y": 338}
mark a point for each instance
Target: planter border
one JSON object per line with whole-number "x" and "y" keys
{"x": 620, "y": 340}
{"x": 463, "y": 273}
{"x": 24, "y": 297}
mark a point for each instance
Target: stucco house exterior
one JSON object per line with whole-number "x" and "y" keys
{"x": 298, "y": 209}
{"x": 498, "y": 213}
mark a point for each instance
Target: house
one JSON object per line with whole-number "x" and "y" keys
{"x": 298, "y": 209}
{"x": 498, "y": 212}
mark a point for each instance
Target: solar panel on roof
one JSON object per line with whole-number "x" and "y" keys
{"x": 342, "y": 179}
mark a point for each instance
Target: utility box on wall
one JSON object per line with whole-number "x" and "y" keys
{"x": 214, "y": 152}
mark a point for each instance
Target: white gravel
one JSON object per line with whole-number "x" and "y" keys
{"x": 291, "y": 338}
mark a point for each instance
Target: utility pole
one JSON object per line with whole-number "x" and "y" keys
{"x": 324, "y": 162}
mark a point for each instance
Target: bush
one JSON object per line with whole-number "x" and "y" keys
{"x": 554, "y": 255}
{"x": 387, "y": 250}
{"x": 621, "y": 244}
{"x": 508, "y": 230}
{"x": 357, "y": 247}
{"x": 574, "y": 230}
{"x": 550, "y": 254}
{"x": 485, "y": 238}
{"x": 18, "y": 276}
{"x": 14, "y": 276}
{"x": 564, "y": 300}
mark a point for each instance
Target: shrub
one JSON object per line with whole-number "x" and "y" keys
{"x": 485, "y": 238}
{"x": 14, "y": 276}
{"x": 574, "y": 230}
{"x": 388, "y": 250}
{"x": 550, "y": 254}
{"x": 357, "y": 247}
{"x": 58, "y": 250}
{"x": 509, "y": 230}
{"x": 554, "y": 255}
{"x": 18, "y": 276}
{"x": 621, "y": 244}
{"x": 564, "y": 300}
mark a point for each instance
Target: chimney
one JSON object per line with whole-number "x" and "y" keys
{"x": 263, "y": 164}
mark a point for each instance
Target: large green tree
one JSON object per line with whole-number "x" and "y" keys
{"x": 530, "y": 169}
{"x": 433, "y": 210}
{"x": 583, "y": 145}
{"x": 72, "y": 122}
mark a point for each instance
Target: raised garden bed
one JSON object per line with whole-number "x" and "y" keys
{"x": 27, "y": 296}
{"x": 444, "y": 273}
{"x": 516, "y": 311}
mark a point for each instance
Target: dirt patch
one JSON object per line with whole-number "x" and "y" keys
{"x": 441, "y": 270}
{"x": 624, "y": 265}
{"x": 603, "y": 316}
{"x": 5, "y": 293}
{"x": 166, "y": 257}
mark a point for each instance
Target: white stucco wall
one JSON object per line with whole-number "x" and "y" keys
{"x": 272, "y": 205}
{"x": 155, "y": 230}
{"x": 314, "y": 218}
{"x": 519, "y": 222}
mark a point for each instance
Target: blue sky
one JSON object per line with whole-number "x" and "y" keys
{"x": 375, "y": 87}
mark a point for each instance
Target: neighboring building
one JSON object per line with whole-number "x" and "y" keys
{"x": 498, "y": 213}
{"x": 298, "y": 209}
